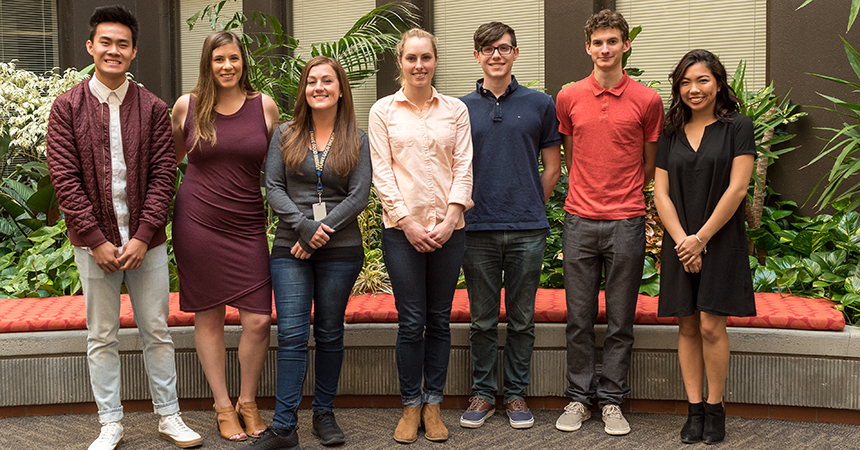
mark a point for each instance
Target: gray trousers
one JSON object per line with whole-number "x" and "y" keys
{"x": 589, "y": 246}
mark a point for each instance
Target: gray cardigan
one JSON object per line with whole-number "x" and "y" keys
{"x": 292, "y": 195}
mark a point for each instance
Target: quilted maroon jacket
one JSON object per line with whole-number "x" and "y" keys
{"x": 80, "y": 165}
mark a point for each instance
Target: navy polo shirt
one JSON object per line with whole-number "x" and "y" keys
{"x": 508, "y": 134}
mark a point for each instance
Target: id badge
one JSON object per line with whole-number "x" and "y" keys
{"x": 319, "y": 211}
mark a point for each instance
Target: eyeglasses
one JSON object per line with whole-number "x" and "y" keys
{"x": 503, "y": 49}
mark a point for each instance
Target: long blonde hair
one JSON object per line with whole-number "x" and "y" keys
{"x": 294, "y": 143}
{"x": 204, "y": 92}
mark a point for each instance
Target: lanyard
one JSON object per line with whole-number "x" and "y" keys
{"x": 319, "y": 160}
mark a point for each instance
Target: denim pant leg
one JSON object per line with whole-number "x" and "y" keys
{"x": 443, "y": 272}
{"x": 406, "y": 270}
{"x": 149, "y": 291}
{"x": 293, "y": 284}
{"x": 423, "y": 287}
{"x": 582, "y": 267}
{"x": 624, "y": 256}
{"x": 101, "y": 294}
{"x": 482, "y": 268}
{"x": 333, "y": 281}
{"x": 523, "y": 260}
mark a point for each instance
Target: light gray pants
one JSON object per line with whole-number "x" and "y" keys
{"x": 149, "y": 289}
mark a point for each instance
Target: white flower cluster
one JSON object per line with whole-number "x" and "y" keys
{"x": 25, "y": 103}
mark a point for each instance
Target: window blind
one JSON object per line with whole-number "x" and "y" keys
{"x": 28, "y": 33}
{"x": 191, "y": 42}
{"x": 733, "y": 30}
{"x": 316, "y": 21}
{"x": 455, "y": 22}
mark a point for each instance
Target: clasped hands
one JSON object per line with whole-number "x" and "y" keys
{"x": 689, "y": 251}
{"x": 426, "y": 241}
{"x": 108, "y": 258}
{"x": 320, "y": 237}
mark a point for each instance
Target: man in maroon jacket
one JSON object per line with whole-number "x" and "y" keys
{"x": 111, "y": 157}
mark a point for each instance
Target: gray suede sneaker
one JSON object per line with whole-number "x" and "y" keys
{"x": 571, "y": 419}
{"x": 613, "y": 421}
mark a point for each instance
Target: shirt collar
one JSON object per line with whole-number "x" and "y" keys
{"x": 399, "y": 96}
{"x": 102, "y": 92}
{"x": 616, "y": 90}
{"x": 511, "y": 87}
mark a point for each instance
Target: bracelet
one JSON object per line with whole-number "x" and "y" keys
{"x": 705, "y": 247}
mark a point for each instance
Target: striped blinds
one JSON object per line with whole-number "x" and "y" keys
{"x": 734, "y": 30}
{"x": 317, "y": 21}
{"x": 28, "y": 33}
{"x": 454, "y": 24}
{"x": 191, "y": 42}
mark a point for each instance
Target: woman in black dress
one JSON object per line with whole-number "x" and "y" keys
{"x": 704, "y": 162}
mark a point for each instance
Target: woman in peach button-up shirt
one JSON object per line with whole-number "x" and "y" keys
{"x": 421, "y": 150}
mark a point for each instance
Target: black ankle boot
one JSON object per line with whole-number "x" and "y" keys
{"x": 692, "y": 431}
{"x": 715, "y": 423}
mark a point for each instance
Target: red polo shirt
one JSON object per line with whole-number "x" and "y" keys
{"x": 609, "y": 130}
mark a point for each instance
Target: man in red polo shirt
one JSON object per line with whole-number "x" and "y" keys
{"x": 609, "y": 126}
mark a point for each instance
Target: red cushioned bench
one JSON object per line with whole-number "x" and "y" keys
{"x": 774, "y": 311}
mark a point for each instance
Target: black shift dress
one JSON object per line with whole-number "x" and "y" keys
{"x": 697, "y": 181}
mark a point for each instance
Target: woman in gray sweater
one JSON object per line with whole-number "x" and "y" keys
{"x": 318, "y": 176}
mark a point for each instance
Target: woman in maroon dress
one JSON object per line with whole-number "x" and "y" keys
{"x": 219, "y": 235}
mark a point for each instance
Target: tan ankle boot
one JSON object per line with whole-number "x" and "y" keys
{"x": 407, "y": 429}
{"x": 434, "y": 429}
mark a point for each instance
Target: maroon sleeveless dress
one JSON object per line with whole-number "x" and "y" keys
{"x": 219, "y": 228}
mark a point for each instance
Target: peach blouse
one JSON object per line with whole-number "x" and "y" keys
{"x": 422, "y": 158}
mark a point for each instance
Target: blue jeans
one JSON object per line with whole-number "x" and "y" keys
{"x": 148, "y": 289}
{"x": 297, "y": 285}
{"x": 618, "y": 248}
{"x": 423, "y": 285}
{"x": 518, "y": 256}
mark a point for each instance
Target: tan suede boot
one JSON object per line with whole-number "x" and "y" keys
{"x": 407, "y": 429}
{"x": 434, "y": 429}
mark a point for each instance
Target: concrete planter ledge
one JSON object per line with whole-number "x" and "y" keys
{"x": 769, "y": 366}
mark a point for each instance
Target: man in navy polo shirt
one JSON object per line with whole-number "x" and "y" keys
{"x": 513, "y": 127}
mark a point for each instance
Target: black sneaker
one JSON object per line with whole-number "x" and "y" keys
{"x": 275, "y": 440}
{"x": 325, "y": 427}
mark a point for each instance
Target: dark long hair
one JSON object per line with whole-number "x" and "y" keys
{"x": 726, "y": 100}
{"x": 204, "y": 92}
{"x": 294, "y": 143}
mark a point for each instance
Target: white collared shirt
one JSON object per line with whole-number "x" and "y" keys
{"x": 114, "y": 98}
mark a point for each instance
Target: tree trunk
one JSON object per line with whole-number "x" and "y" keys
{"x": 754, "y": 210}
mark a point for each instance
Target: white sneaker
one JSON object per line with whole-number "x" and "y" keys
{"x": 109, "y": 438}
{"x": 173, "y": 429}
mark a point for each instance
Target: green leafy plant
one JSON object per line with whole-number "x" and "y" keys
{"x": 843, "y": 146}
{"x": 769, "y": 115}
{"x": 36, "y": 257}
{"x": 25, "y": 103}
{"x": 373, "y": 276}
{"x": 810, "y": 256}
